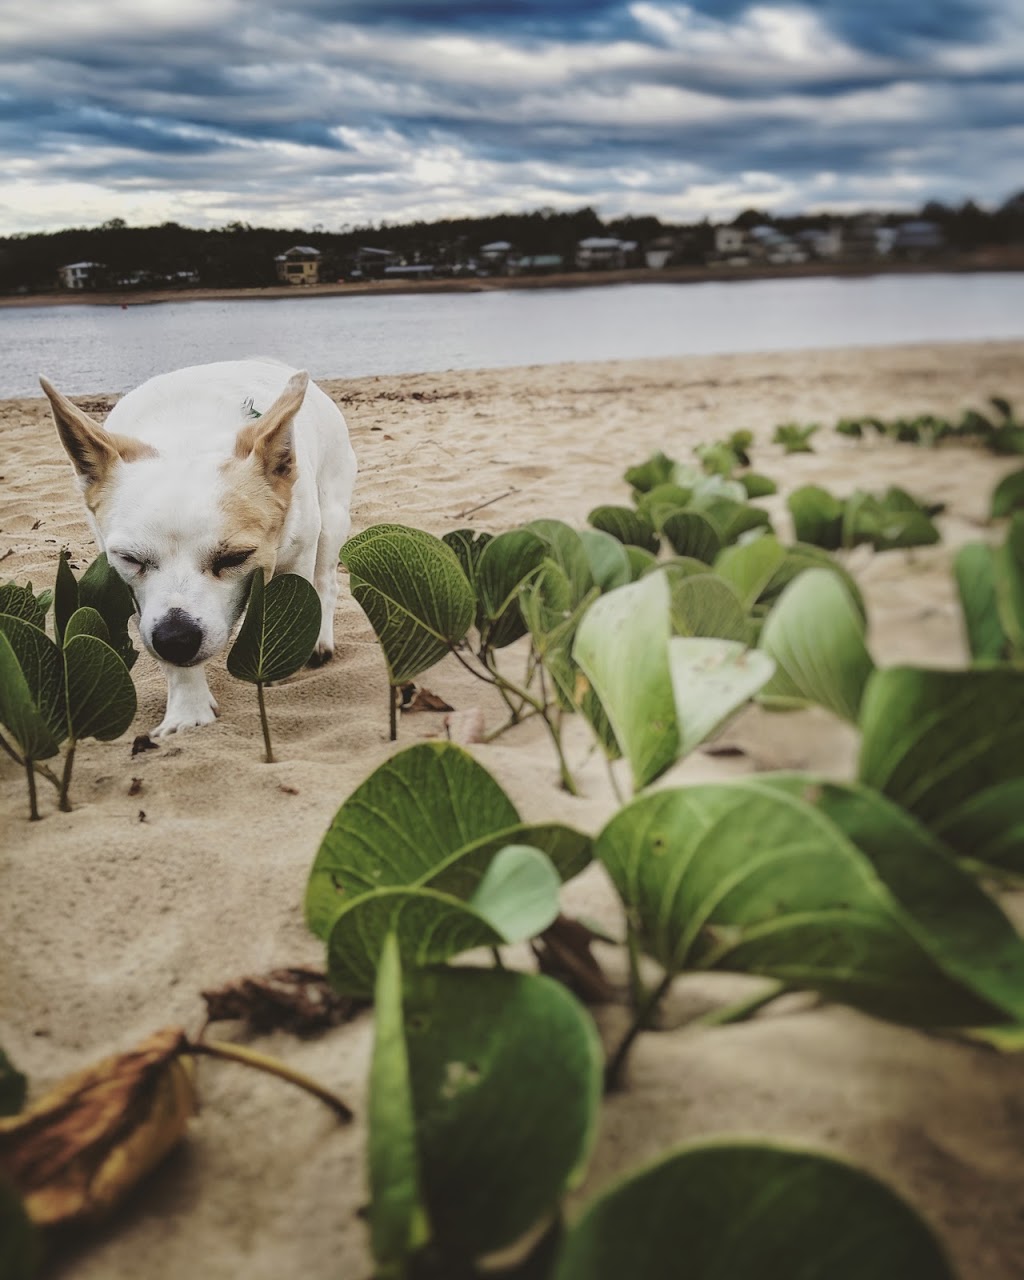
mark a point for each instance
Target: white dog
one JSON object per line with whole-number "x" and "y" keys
{"x": 198, "y": 478}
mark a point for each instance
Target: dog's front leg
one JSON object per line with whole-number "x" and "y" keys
{"x": 189, "y": 700}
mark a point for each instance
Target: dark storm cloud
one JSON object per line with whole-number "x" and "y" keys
{"x": 349, "y": 112}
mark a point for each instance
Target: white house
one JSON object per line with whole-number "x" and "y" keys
{"x": 603, "y": 252}
{"x": 729, "y": 240}
{"x": 79, "y": 275}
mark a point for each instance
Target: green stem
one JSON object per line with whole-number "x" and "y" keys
{"x": 636, "y": 986}
{"x": 33, "y": 804}
{"x": 46, "y": 772}
{"x": 64, "y": 803}
{"x": 393, "y": 712}
{"x": 568, "y": 781}
{"x": 614, "y": 781}
{"x": 616, "y": 1063}
{"x": 273, "y": 1067}
{"x": 6, "y": 746}
{"x": 498, "y": 962}
{"x": 264, "y": 723}
{"x": 740, "y": 1010}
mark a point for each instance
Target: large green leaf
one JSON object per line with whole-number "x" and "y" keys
{"x": 975, "y": 571}
{"x": 626, "y": 525}
{"x": 506, "y": 1083}
{"x": 518, "y": 893}
{"x": 817, "y": 516}
{"x": 86, "y": 622}
{"x": 692, "y": 534}
{"x": 751, "y": 879}
{"x": 413, "y": 590}
{"x": 101, "y": 700}
{"x": 622, "y": 647}
{"x": 609, "y": 559}
{"x": 403, "y": 823}
{"x": 429, "y": 927}
{"x": 103, "y": 589}
{"x": 19, "y": 714}
{"x": 758, "y": 486}
{"x": 19, "y": 602}
{"x": 749, "y": 567}
{"x": 803, "y": 556}
{"x": 504, "y": 566}
{"x": 65, "y": 595}
{"x": 706, "y": 605}
{"x": 42, "y": 668}
{"x": 937, "y": 742}
{"x": 21, "y": 1250}
{"x": 1009, "y": 578}
{"x": 282, "y": 621}
{"x": 398, "y": 1223}
{"x": 565, "y": 548}
{"x": 816, "y": 637}
{"x": 1008, "y": 495}
{"x": 989, "y": 827}
{"x": 553, "y": 615}
{"x": 744, "y": 1210}
{"x": 711, "y": 680}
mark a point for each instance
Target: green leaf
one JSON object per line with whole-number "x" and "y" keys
{"x": 42, "y": 670}
{"x": 937, "y": 742}
{"x": 662, "y": 501}
{"x": 658, "y": 469}
{"x": 518, "y": 894}
{"x": 566, "y": 550}
{"x": 640, "y": 562}
{"x": 626, "y": 525}
{"x": 430, "y": 927}
{"x": 975, "y": 572}
{"x": 692, "y": 534}
{"x": 101, "y": 701}
{"x": 468, "y": 547}
{"x": 801, "y": 556}
{"x": 398, "y": 1222}
{"x": 21, "y": 1250}
{"x": 104, "y": 590}
{"x": 732, "y": 519}
{"x": 894, "y": 520}
{"x": 460, "y": 873}
{"x": 1009, "y": 577}
{"x": 750, "y": 879}
{"x": 711, "y": 680}
{"x": 622, "y": 647}
{"x": 990, "y": 827}
{"x": 65, "y": 594}
{"x": 817, "y": 516}
{"x": 19, "y": 602}
{"x": 553, "y": 617}
{"x": 794, "y": 438}
{"x": 86, "y": 622}
{"x": 402, "y": 824}
{"x": 749, "y": 567}
{"x": 816, "y": 637}
{"x": 609, "y": 560}
{"x": 758, "y": 486}
{"x": 282, "y": 621}
{"x": 746, "y": 1210}
{"x": 506, "y": 1081}
{"x": 414, "y": 592}
{"x": 705, "y": 605}
{"x": 504, "y": 566}
{"x": 1008, "y": 495}
{"x": 13, "y": 1088}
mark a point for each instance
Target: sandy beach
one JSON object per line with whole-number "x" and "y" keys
{"x": 184, "y": 868}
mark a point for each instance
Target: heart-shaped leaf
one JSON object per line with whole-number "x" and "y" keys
{"x": 706, "y": 605}
{"x": 282, "y": 621}
{"x": 468, "y": 547}
{"x": 101, "y": 701}
{"x": 692, "y": 534}
{"x": 504, "y": 566}
{"x": 711, "y": 680}
{"x": 625, "y": 525}
{"x": 86, "y": 622}
{"x": 103, "y": 589}
{"x": 506, "y": 1081}
{"x": 412, "y": 588}
{"x": 750, "y": 1211}
{"x": 749, "y": 567}
{"x": 816, "y": 637}
{"x": 42, "y": 670}
{"x": 937, "y": 742}
{"x": 817, "y": 516}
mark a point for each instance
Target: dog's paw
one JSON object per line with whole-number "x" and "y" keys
{"x": 186, "y": 717}
{"x": 320, "y": 657}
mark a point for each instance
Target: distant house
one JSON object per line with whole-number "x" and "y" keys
{"x": 822, "y": 242}
{"x": 80, "y": 275}
{"x": 495, "y": 256}
{"x": 658, "y": 253}
{"x": 409, "y": 271}
{"x": 604, "y": 253}
{"x": 730, "y": 240}
{"x": 867, "y": 238}
{"x": 371, "y": 263}
{"x": 298, "y": 265}
{"x": 917, "y": 239}
{"x": 536, "y": 264}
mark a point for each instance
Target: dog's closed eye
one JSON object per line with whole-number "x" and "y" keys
{"x": 135, "y": 563}
{"x": 229, "y": 560}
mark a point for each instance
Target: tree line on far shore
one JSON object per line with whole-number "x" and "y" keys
{"x": 242, "y": 256}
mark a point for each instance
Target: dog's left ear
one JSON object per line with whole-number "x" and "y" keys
{"x": 269, "y": 440}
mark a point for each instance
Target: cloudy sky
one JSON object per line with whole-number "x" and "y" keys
{"x": 334, "y": 113}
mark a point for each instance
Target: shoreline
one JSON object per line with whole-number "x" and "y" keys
{"x": 965, "y": 265}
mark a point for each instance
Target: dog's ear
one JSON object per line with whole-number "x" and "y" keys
{"x": 91, "y": 448}
{"x": 269, "y": 439}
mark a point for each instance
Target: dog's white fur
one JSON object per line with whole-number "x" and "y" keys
{"x": 183, "y": 479}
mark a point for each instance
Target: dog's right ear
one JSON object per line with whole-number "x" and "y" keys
{"x": 91, "y": 448}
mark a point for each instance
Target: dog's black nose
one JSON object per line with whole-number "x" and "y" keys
{"x": 177, "y": 637}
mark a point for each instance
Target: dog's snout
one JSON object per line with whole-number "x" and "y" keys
{"x": 177, "y": 637}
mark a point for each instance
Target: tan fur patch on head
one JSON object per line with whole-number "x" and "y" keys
{"x": 131, "y": 450}
{"x": 253, "y": 510}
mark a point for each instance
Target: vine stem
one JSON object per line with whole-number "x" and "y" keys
{"x": 33, "y": 805}
{"x": 617, "y": 1062}
{"x": 740, "y": 1010}
{"x": 273, "y": 1067}
{"x": 64, "y": 804}
{"x": 264, "y": 723}
{"x": 393, "y": 712}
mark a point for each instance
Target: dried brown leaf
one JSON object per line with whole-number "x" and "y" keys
{"x": 564, "y": 952}
{"x": 77, "y": 1152}
{"x": 296, "y": 1000}
{"x": 424, "y": 700}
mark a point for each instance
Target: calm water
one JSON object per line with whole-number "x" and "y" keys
{"x": 93, "y": 348}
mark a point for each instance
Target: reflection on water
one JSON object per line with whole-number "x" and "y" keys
{"x": 94, "y": 348}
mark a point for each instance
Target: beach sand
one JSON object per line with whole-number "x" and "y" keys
{"x": 184, "y": 868}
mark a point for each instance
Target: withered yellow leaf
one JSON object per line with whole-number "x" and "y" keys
{"x": 76, "y": 1153}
